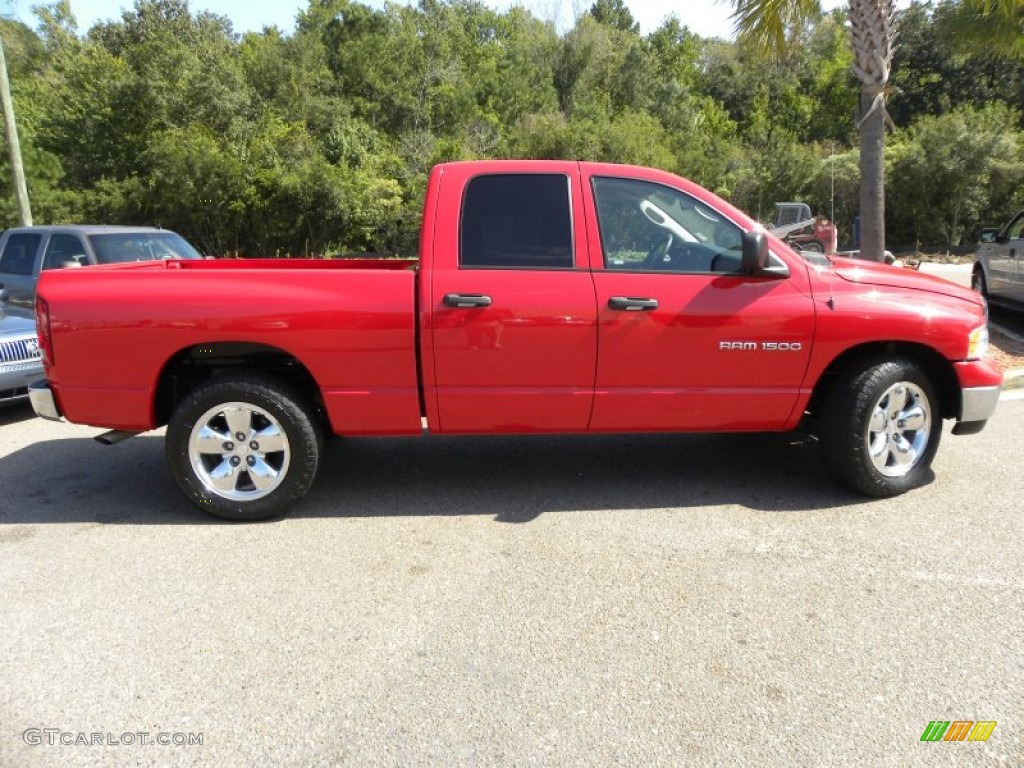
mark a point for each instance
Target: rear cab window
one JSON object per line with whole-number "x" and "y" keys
{"x": 517, "y": 221}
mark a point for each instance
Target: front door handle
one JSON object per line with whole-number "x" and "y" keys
{"x": 632, "y": 304}
{"x": 466, "y": 300}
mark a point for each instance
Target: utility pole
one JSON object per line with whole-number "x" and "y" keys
{"x": 832, "y": 168}
{"x": 11, "y": 131}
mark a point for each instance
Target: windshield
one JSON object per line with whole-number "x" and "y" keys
{"x": 117, "y": 247}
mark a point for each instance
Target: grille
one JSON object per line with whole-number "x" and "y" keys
{"x": 19, "y": 350}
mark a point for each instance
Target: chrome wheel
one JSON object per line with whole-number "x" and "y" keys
{"x": 899, "y": 429}
{"x": 881, "y": 425}
{"x": 239, "y": 451}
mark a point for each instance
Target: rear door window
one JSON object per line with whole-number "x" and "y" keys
{"x": 517, "y": 221}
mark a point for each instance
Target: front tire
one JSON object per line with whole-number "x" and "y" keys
{"x": 881, "y": 427}
{"x": 978, "y": 283}
{"x": 244, "y": 446}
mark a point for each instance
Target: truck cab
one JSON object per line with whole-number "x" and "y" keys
{"x": 577, "y": 297}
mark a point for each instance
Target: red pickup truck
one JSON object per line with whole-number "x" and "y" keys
{"x": 548, "y": 297}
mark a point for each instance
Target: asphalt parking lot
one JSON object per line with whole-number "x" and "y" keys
{"x": 559, "y": 601}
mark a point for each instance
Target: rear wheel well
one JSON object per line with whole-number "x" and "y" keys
{"x": 194, "y": 365}
{"x": 938, "y": 369}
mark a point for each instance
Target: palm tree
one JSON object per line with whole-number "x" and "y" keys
{"x": 990, "y": 26}
{"x": 767, "y": 24}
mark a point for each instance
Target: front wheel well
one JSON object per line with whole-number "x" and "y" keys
{"x": 192, "y": 366}
{"x": 939, "y": 370}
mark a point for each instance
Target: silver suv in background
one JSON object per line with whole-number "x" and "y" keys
{"x": 999, "y": 264}
{"x": 26, "y": 251}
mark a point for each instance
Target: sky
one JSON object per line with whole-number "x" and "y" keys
{"x": 709, "y": 18}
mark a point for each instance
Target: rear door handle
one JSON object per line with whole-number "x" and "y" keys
{"x": 632, "y": 304}
{"x": 466, "y": 300}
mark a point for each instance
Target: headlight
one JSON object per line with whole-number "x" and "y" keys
{"x": 977, "y": 345}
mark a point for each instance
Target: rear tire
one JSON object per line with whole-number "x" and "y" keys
{"x": 880, "y": 427}
{"x": 244, "y": 446}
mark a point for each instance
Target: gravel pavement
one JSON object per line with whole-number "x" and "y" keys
{"x": 635, "y": 600}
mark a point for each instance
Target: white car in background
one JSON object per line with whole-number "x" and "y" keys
{"x": 999, "y": 264}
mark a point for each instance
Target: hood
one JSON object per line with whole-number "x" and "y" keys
{"x": 873, "y": 273}
{"x": 15, "y": 323}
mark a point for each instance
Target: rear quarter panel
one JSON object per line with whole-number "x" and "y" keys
{"x": 115, "y": 328}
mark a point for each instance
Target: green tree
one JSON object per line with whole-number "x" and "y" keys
{"x": 703, "y": 136}
{"x": 320, "y": 140}
{"x": 989, "y": 25}
{"x": 573, "y": 58}
{"x": 615, "y": 14}
{"x": 826, "y": 76}
{"x": 27, "y": 54}
{"x": 522, "y": 79}
{"x": 770, "y": 25}
{"x": 775, "y": 166}
{"x": 935, "y": 72}
{"x": 952, "y": 171}
{"x": 835, "y": 189}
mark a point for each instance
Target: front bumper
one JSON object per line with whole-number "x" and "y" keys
{"x": 15, "y": 379}
{"x": 43, "y": 401}
{"x": 979, "y": 403}
{"x": 980, "y": 387}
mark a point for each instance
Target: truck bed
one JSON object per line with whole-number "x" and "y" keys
{"x": 350, "y": 323}
{"x": 289, "y": 264}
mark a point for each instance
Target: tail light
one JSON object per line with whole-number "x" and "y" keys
{"x": 43, "y": 331}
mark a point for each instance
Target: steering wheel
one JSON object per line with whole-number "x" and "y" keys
{"x": 656, "y": 257}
